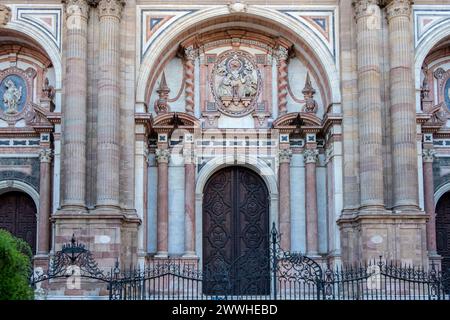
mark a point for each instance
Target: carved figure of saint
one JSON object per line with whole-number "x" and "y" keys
{"x": 11, "y": 97}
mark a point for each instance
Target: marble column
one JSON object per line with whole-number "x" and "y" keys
{"x": 403, "y": 109}
{"x": 189, "y": 202}
{"x": 312, "y": 225}
{"x": 45, "y": 201}
{"x": 189, "y": 73}
{"x": 108, "y": 127}
{"x": 428, "y": 186}
{"x": 74, "y": 107}
{"x": 368, "y": 21}
{"x": 284, "y": 180}
{"x": 162, "y": 214}
{"x": 282, "y": 56}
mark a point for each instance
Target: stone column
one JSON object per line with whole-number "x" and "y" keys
{"x": 369, "y": 99}
{"x": 282, "y": 56}
{"x": 45, "y": 201}
{"x": 284, "y": 181}
{"x": 108, "y": 128}
{"x": 189, "y": 202}
{"x": 74, "y": 108}
{"x": 162, "y": 157}
{"x": 428, "y": 186}
{"x": 189, "y": 73}
{"x": 403, "y": 109}
{"x": 312, "y": 225}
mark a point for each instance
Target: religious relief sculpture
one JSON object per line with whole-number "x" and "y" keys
{"x": 235, "y": 83}
{"x": 11, "y": 97}
{"x": 309, "y": 92}
{"x": 5, "y": 14}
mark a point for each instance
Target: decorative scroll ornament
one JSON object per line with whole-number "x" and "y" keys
{"x": 45, "y": 155}
{"x": 285, "y": 155}
{"x": 5, "y": 15}
{"x": 162, "y": 155}
{"x": 161, "y": 105}
{"x": 311, "y": 155}
{"x": 309, "y": 92}
{"x": 428, "y": 155}
{"x": 236, "y": 83}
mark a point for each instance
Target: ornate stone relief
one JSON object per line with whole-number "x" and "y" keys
{"x": 45, "y": 155}
{"x": 285, "y": 155}
{"x": 428, "y": 155}
{"x": 111, "y": 8}
{"x": 235, "y": 83}
{"x": 15, "y": 94}
{"x": 395, "y": 8}
{"x": 311, "y": 155}
{"x": 162, "y": 155}
{"x": 237, "y": 6}
{"x": 5, "y": 15}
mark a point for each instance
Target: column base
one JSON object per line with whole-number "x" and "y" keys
{"x": 435, "y": 259}
{"x": 189, "y": 255}
{"x": 161, "y": 255}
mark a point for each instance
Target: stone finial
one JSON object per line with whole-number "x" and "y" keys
{"x": 309, "y": 92}
{"x": 428, "y": 155}
{"x": 366, "y": 8}
{"x": 285, "y": 155}
{"x": 162, "y": 155}
{"x": 5, "y": 15}
{"x": 311, "y": 155}
{"x": 110, "y": 8}
{"x": 237, "y": 7}
{"x": 77, "y": 8}
{"x": 161, "y": 105}
{"x": 396, "y": 8}
{"x": 45, "y": 155}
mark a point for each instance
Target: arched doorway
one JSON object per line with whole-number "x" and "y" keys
{"x": 236, "y": 232}
{"x": 18, "y": 216}
{"x": 443, "y": 229}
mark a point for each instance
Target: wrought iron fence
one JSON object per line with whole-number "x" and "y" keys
{"x": 272, "y": 274}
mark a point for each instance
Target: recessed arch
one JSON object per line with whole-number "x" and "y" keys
{"x": 16, "y": 185}
{"x": 151, "y": 62}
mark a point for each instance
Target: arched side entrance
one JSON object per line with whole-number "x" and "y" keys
{"x": 443, "y": 230}
{"x": 235, "y": 226}
{"x": 18, "y": 215}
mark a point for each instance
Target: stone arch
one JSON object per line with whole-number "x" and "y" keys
{"x": 16, "y": 185}
{"x": 439, "y": 33}
{"x": 47, "y": 45}
{"x": 440, "y": 192}
{"x": 251, "y": 162}
{"x": 150, "y": 61}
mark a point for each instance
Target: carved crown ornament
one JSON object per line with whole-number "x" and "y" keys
{"x": 5, "y": 15}
{"x": 235, "y": 83}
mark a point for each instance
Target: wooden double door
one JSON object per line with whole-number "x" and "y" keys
{"x": 18, "y": 216}
{"x": 443, "y": 230}
{"x": 236, "y": 233}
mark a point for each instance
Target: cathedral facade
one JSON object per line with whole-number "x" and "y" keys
{"x": 179, "y": 129}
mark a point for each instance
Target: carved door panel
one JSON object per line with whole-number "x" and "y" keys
{"x": 443, "y": 230}
{"x": 18, "y": 216}
{"x": 235, "y": 233}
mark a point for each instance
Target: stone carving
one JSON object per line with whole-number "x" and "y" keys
{"x": 285, "y": 155}
{"x": 161, "y": 105}
{"x": 5, "y": 14}
{"x": 11, "y": 97}
{"x": 189, "y": 71}
{"x": 110, "y": 8}
{"x": 282, "y": 56}
{"x": 397, "y": 8}
{"x": 236, "y": 7}
{"x": 48, "y": 91}
{"x": 235, "y": 83}
{"x": 311, "y": 155}
{"x": 309, "y": 92}
{"x": 428, "y": 155}
{"x": 425, "y": 89}
{"x": 369, "y": 9}
{"x": 162, "y": 155}
{"x": 77, "y": 8}
{"x": 45, "y": 155}
{"x": 439, "y": 73}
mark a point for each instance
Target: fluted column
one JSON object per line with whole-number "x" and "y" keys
{"x": 282, "y": 56}
{"x": 108, "y": 133}
{"x": 45, "y": 201}
{"x": 162, "y": 215}
{"x": 284, "y": 178}
{"x": 312, "y": 225}
{"x": 403, "y": 109}
{"x": 189, "y": 202}
{"x": 189, "y": 72}
{"x": 369, "y": 99}
{"x": 428, "y": 186}
{"x": 74, "y": 108}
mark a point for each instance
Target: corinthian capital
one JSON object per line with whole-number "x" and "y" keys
{"x": 428, "y": 155}
{"x": 5, "y": 14}
{"x": 77, "y": 7}
{"x": 110, "y": 8}
{"x": 311, "y": 155}
{"x": 285, "y": 155}
{"x": 162, "y": 155}
{"x": 365, "y": 8}
{"x": 396, "y": 8}
{"x": 45, "y": 155}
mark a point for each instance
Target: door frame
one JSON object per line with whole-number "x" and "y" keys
{"x": 258, "y": 165}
